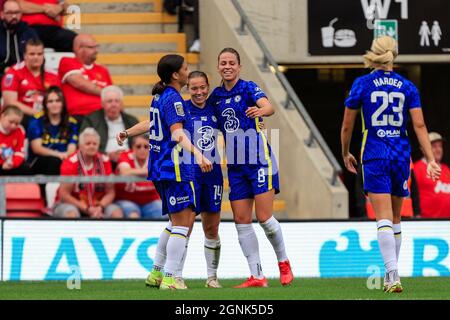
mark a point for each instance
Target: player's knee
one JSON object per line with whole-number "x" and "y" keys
{"x": 72, "y": 214}
{"x": 134, "y": 215}
{"x": 211, "y": 231}
{"x": 117, "y": 214}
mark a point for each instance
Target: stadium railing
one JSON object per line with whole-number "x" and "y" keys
{"x": 269, "y": 64}
{"x": 41, "y": 179}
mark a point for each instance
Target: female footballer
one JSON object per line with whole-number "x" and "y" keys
{"x": 168, "y": 168}
{"x": 386, "y": 100}
{"x": 252, "y": 171}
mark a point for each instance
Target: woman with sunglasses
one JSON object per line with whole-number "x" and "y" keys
{"x": 137, "y": 199}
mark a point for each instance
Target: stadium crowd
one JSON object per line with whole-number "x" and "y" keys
{"x": 47, "y": 120}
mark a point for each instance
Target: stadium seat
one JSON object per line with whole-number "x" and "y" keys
{"x": 52, "y": 59}
{"x": 23, "y": 200}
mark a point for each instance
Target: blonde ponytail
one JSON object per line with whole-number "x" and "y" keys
{"x": 383, "y": 52}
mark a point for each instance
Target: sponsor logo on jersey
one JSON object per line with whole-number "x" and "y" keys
{"x": 181, "y": 200}
{"x": 228, "y": 101}
{"x": 442, "y": 187}
{"x": 405, "y": 185}
{"x": 172, "y": 201}
{"x": 155, "y": 148}
{"x": 388, "y": 133}
{"x": 8, "y": 80}
{"x": 179, "y": 108}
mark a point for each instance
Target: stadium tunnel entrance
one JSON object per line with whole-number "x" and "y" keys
{"x": 324, "y": 88}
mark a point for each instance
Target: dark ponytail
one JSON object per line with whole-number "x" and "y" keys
{"x": 166, "y": 67}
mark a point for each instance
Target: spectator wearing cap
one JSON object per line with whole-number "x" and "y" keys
{"x": 434, "y": 196}
{"x": 14, "y": 33}
{"x": 82, "y": 79}
{"x": 109, "y": 121}
{"x": 46, "y": 18}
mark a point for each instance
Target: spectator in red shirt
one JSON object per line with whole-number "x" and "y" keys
{"x": 83, "y": 79}
{"x": 434, "y": 196}
{"x": 46, "y": 18}
{"x": 12, "y": 137}
{"x": 137, "y": 199}
{"x": 25, "y": 83}
{"x": 94, "y": 200}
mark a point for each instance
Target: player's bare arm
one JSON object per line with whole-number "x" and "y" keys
{"x": 140, "y": 128}
{"x": 346, "y": 134}
{"x": 263, "y": 108}
{"x": 180, "y": 137}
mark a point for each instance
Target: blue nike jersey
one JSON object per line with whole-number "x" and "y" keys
{"x": 245, "y": 142}
{"x": 168, "y": 160}
{"x": 385, "y": 99}
{"x": 204, "y": 137}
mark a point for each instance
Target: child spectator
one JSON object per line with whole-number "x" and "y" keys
{"x": 92, "y": 200}
{"x": 12, "y": 136}
{"x": 137, "y": 199}
{"x": 25, "y": 83}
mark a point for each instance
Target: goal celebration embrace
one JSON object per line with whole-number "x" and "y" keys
{"x": 187, "y": 189}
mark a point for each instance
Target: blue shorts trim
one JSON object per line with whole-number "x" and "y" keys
{"x": 175, "y": 196}
{"x": 386, "y": 176}
{"x": 250, "y": 180}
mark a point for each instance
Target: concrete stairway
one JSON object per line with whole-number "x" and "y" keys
{"x": 133, "y": 36}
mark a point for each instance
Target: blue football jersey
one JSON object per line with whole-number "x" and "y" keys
{"x": 245, "y": 142}
{"x": 168, "y": 160}
{"x": 385, "y": 99}
{"x": 51, "y": 137}
{"x": 204, "y": 136}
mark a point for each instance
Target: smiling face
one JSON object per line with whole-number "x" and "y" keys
{"x": 199, "y": 89}
{"x": 229, "y": 66}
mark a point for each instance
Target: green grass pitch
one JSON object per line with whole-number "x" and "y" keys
{"x": 301, "y": 289}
